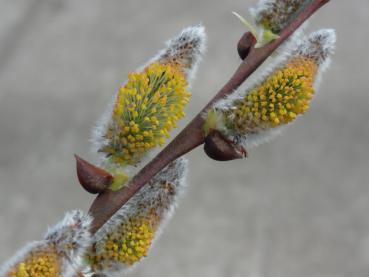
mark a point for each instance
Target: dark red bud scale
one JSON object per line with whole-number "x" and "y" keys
{"x": 92, "y": 178}
{"x": 246, "y": 42}
{"x": 218, "y": 148}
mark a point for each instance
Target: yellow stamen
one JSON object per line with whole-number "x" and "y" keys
{"x": 42, "y": 262}
{"x": 146, "y": 109}
{"x": 278, "y": 100}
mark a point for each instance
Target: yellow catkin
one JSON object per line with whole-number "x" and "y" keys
{"x": 146, "y": 109}
{"x": 126, "y": 244}
{"x": 278, "y": 100}
{"x": 42, "y": 262}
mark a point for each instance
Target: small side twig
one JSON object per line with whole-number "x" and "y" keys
{"x": 108, "y": 202}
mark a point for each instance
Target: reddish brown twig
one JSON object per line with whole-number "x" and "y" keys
{"x": 108, "y": 202}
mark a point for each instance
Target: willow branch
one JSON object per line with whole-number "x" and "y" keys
{"x": 108, "y": 202}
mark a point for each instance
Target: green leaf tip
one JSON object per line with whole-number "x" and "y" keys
{"x": 119, "y": 181}
{"x": 248, "y": 25}
{"x": 263, "y": 37}
{"x": 214, "y": 120}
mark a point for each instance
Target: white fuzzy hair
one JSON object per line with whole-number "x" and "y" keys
{"x": 74, "y": 230}
{"x": 71, "y": 237}
{"x": 318, "y": 46}
{"x": 189, "y": 47}
{"x": 151, "y": 196}
{"x": 191, "y": 44}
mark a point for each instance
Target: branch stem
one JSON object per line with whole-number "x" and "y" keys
{"x": 108, "y": 202}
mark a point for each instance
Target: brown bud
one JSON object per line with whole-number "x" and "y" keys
{"x": 245, "y": 44}
{"x": 218, "y": 148}
{"x": 92, "y": 178}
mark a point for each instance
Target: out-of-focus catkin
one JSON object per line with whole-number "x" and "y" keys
{"x": 59, "y": 254}
{"x": 128, "y": 236}
{"x": 274, "y": 15}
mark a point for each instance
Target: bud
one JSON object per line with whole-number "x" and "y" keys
{"x": 93, "y": 179}
{"x": 148, "y": 106}
{"x": 127, "y": 237}
{"x": 253, "y": 113}
{"x": 271, "y": 17}
{"x": 58, "y": 254}
{"x": 274, "y": 15}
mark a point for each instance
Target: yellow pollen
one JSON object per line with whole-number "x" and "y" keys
{"x": 42, "y": 262}
{"x": 278, "y": 100}
{"x": 146, "y": 109}
{"x": 127, "y": 244}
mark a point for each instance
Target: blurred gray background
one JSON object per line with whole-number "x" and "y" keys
{"x": 298, "y": 206}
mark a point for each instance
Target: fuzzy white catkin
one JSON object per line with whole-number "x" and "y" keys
{"x": 160, "y": 196}
{"x": 69, "y": 239}
{"x": 275, "y": 15}
{"x": 318, "y": 46}
{"x": 185, "y": 49}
